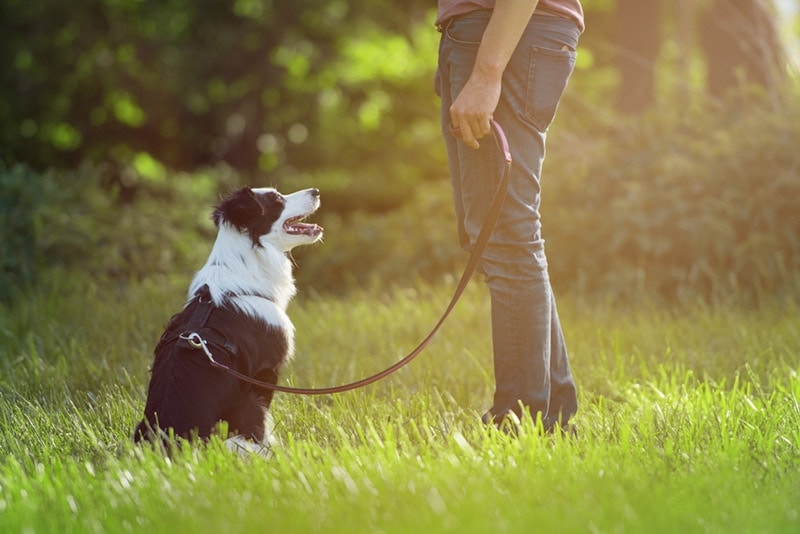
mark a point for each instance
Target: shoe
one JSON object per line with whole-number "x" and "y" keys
{"x": 509, "y": 424}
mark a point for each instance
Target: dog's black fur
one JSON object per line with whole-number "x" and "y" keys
{"x": 237, "y": 304}
{"x": 189, "y": 396}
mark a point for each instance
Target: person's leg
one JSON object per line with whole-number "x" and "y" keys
{"x": 530, "y": 358}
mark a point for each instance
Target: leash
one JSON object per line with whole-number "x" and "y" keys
{"x": 196, "y": 340}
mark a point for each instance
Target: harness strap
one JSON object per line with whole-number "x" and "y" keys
{"x": 202, "y": 311}
{"x": 199, "y": 320}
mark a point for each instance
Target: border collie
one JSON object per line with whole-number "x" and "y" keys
{"x": 237, "y": 304}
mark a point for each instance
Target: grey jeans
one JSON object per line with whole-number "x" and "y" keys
{"x": 531, "y": 366}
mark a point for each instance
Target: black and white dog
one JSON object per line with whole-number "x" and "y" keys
{"x": 237, "y": 304}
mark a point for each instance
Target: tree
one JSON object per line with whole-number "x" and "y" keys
{"x": 741, "y": 44}
{"x": 188, "y": 82}
{"x": 737, "y": 39}
{"x": 638, "y": 40}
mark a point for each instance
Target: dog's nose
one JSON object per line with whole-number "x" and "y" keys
{"x": 314, "y": 192}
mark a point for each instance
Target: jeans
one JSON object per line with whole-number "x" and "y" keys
{"x": 531, "y": 366}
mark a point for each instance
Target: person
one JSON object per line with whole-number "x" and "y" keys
{"x": 510, "y": 61}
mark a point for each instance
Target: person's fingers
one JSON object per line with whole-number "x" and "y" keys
{"x": 469, "y": 127}
{"x": 486, "y": 126}
{"x": 468, "y": 135}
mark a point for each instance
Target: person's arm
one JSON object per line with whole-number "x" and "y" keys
{"x": 473, "y": 107}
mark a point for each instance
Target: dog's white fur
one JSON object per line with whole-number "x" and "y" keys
{"x": 248, "y": 275}
{"x": 258, "y": 280}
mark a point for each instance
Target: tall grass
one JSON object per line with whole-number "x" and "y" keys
{"x": 689, "y": 421}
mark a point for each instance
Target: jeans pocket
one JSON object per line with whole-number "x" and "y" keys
{"x": 548, "y": 74}
{"x": 467, "y": 31}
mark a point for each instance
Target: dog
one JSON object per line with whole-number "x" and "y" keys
{"x": 237, "y": 305}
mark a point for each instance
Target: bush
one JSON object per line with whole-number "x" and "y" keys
{"x": 417, "y": 241}
{"x": 703, "y": 206}
{"x": 70, "y": 219}
{"x": 707, "y": 205}
{"x": 33, "y": 233}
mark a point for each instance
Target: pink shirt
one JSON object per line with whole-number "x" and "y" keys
{"x": 570, "y": 9}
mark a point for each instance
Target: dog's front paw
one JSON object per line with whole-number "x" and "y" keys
{"x": 247, "y": 448}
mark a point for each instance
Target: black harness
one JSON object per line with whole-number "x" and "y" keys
{"x": 198, "y": 323}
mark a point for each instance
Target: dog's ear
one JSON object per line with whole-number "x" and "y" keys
{"x": 239, "y": 208}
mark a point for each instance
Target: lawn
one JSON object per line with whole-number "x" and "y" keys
{"x": 689, "y": 421}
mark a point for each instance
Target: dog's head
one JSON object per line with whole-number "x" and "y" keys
{"x": 268, "y": 217}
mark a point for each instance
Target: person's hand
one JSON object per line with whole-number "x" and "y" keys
{"x": 473, "y": 108}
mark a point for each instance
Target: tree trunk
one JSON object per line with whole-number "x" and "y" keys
{"x": 741, "y": 44}
{"x": 638, "y": 40}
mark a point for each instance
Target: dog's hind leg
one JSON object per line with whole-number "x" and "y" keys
{"x": 251, "y": 424}
{"x": 246, "y": 444}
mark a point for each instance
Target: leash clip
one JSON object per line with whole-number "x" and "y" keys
{"x": 197, "y": 342}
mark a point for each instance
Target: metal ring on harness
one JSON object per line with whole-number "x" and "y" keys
{"x": 196, "y": 341}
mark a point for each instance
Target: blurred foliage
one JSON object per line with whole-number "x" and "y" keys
{"x": 121, "y": 121}
{"x": 68, "y": 220}
{"x": 696, "y": 206}
{"x": 262, "y": 86}
{"x": 26, "y": 229}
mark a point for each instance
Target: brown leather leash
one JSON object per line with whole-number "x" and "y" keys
{"x": 197, "y": 341}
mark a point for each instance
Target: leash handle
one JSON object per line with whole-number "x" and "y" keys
{"x": 475, "y": 255}
{"x": 502, "y": 144}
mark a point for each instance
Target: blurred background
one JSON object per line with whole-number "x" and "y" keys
{"x": 673, "y": 167}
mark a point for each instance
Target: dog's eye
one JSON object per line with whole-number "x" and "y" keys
{"x": 274, "y": 196}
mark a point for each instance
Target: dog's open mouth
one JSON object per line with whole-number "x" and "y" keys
{"x": 296, "y": 226}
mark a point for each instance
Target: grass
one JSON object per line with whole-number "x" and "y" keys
{"x": 689, "y": 422}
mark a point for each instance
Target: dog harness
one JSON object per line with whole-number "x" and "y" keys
{"x": 196, "y": 327}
